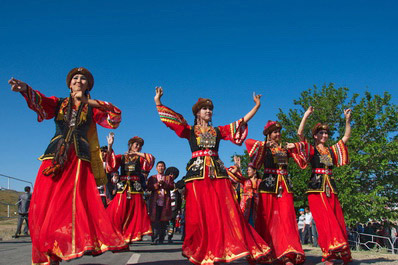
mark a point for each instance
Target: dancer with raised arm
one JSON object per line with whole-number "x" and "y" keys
{"x": 249, "y": 197}
{"x": 216, "y": 230}
{"x": 128, "y": 210}
{"x": 67, "y": 218}
{"x": 322, "y": 192}
{"x": 276, "y": 218}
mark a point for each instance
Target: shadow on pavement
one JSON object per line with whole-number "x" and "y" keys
{"x": 156, "y": 250}
{"x": 174, "y": 262}
{"x": 373, "y": 261}
{"x": 16, "y": 242}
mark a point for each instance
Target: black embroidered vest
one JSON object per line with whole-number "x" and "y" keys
{"x": 196, "y": 165}
{"x": 269, "y": 181}
{"x": 77, "y": 136}
{"x": 317, "y": 181}
{"x": 130, "y": 166}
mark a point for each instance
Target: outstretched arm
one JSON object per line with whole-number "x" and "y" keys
{"x": 45, "y": 107}
{"x": 300, "y": 131}
{"x": 347, "y": 134}
{"x": 253, "y": 111}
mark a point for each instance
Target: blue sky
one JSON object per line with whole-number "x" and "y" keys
{"x": 223, "y": 50}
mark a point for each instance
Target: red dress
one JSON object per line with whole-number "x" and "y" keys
{"x": 276, "y": 217}
{"x": 323, "y": 199}
{"x": 66, "y": 217}
{"x": 250, "y": 199}
{"x": 128, "y": 210}
{"x": 216, "y": 230}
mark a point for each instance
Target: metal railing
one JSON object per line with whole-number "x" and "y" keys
{"x": 17, "y": 179}
{"x": 10, "y": 206}
{"x": 370, "y": 242}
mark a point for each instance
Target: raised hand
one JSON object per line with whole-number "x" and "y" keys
{"x": 309, "y": 111}
{"x": 257, "y": 98}
{"x": 158, "y": 96}
{"x": 110, "y": 138}
{"x": 17, "y": 85}
{"x": 347, "y": 114}
{"x": 237, "y": 161}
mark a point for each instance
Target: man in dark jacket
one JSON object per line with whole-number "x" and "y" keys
{"x": 23, "y": 211}
{"x": 160, "y": 212}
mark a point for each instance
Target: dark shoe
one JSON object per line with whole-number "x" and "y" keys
{"x": 170, "y": 241}
{"x": 15, "y": 236}
{"x": 155, "y": 242}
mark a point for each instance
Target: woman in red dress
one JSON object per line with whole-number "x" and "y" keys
{"x": 322, "y": 192}
{"x": 249, "y": 196}
{"x": 276, "y": 217}
{"x": 67, "y": 218}
{"x": 216, "y": 230}
{"x": 128, "y": 210}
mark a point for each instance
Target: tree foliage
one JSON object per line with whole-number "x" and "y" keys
{"x": 368, "y": 186}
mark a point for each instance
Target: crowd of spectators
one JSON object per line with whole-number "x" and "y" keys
{"x": 385, "y": 233}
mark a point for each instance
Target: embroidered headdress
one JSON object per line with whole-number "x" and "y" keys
{"x": 136, "y": 139}
{"x": 319, "y": 127}
{"x": 271, "y": 126}
{"x": 202, "y": 102}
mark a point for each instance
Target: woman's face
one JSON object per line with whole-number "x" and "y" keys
{"x": 251, "y": 172}
{"x": 135, "y": 147}
{"x": 79, "y": 83}
{"x": 321, "y": 137}
{"x": 205, "y": 114}
{"x": 275, "y": 136}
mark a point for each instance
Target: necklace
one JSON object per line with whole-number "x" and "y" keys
{"x": 206, "y": 137}
{"x": 325, "y": 157}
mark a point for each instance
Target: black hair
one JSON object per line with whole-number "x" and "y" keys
{"x": 104, "y": 148}
{"x": 27, "y": 189}
{"x": 161, "y": 162}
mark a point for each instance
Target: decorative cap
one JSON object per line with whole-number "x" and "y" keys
{"x": 319, "y": 127}
{"x": 82, "y": 71}
{"x": 271, "y": 126}
{"x": 136, "y": 139}
{"x": 202, "y": 102}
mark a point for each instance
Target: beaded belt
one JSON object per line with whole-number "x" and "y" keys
{"x": 133, "y": 178}
{"x": 275, "y": 171}
{"x": 322, "y": 171}
{"x": 204, "y": 153}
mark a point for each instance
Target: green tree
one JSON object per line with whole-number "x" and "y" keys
{"x": 368, "y": 186}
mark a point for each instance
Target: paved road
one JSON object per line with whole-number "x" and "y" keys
{"x": 18, "y": 252}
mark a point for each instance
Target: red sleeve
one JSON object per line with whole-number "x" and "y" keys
{"x": 107, "y": 115}
{"x": 174, "y": 121}
{"x": 256, "y": 151}
{"x": 236, "y": 177}
{"x": 147, "y": 162}
{"x": 236, "y": 132}
{"x": 302, "y": 153}
{"x": 340, "y": 153}
{"x": 44, "y": 107}
{"x": 113, "y": 162}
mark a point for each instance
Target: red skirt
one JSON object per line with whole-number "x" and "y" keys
{"x": 329, "y": 220}
{"x": 276, "y": 223}
{"x": 216, "y": 230}
{"x": 67, "y": 218}
{"x": 130, "y": 216}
